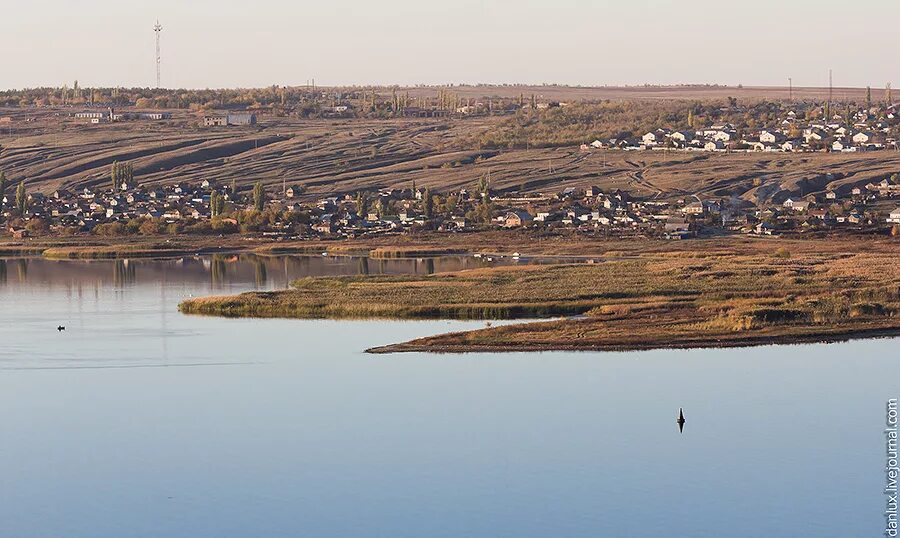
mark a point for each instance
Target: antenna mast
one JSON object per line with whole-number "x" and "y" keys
{"x": 157, "y": 29}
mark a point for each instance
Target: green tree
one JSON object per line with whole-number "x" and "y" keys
{"x": 259, "y": 196}
{"x": 868, "y": 97}
{"x": 2, "y": 187}
{"x": 362, "y": 204}
{"x": 484, "y": 184}
{"x": 114, "y": 175}
{"x": 120, "y": 173}
{"x": 450, "y": 205}
{"x": 428, "y": 205}
{"x": 21, "y": 198}
{"x": 213, "y": 204}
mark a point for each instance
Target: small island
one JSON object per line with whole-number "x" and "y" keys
{"x": 714, "y": 293}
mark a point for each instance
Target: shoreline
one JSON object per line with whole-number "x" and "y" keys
{"x": 681, "y": 296}
{"x": 784, "y": 340}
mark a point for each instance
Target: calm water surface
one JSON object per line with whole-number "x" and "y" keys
{"x": 137, "y": 421}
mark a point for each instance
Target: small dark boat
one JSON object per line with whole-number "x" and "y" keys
{"x": 60, "y": 328}
{"x": 680, "y": 420}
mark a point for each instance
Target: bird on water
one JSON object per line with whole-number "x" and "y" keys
{"x": 680, "y": 419}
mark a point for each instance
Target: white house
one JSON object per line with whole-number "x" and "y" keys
{"x": 894, "y": 217}
{"x": 724, "y": 136}
{"x": 796, "y": 205}
{"x": 770, "y": 137}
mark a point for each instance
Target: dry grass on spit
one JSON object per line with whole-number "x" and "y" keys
{"x": 655, "y": 299}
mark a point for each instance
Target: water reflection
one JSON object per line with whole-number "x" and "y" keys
{"x": 260, "y": 272}
{"x": 217, "y": 270}
{"x": 124, "y": 273}
{"x": 224, "y": 271}
{"x": 22, "y": 269}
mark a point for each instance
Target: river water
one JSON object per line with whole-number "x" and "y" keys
{"x": 137, "y": 421}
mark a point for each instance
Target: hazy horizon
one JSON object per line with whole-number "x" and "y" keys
{"x": 399, "y": 42}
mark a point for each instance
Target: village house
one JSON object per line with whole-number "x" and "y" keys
{"x": 517, "y": 218}
{"x": 894, "y": 216}
{"x": 796, "y": 205}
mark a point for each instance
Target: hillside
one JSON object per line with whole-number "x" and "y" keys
{"x": 341, "y": 156}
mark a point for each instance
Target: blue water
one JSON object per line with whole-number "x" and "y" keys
{"x": 137, "y": 421}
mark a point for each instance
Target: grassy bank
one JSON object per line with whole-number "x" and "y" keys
{"x": 677, "y": 298}
{"x": 20, "y": 250}
{"x": 106, "y": 252}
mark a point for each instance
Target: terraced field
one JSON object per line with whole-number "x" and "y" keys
{"x": 343, "y": 156}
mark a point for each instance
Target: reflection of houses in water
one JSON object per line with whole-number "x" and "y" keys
{"x": 22, "y": 269}
{"x": 124, "y": 273}
{"x": 224, "y": 270}
{"x": 260, "y": 273}
{"x": 217, "y": 271}
{"x": 2, "y": 271}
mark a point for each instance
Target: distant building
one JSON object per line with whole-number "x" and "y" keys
{"x": 215, "y": 121}
{"x": 241, "y": 119}
{"x": 91, "y": 115}
{"x": 223, "y": 120}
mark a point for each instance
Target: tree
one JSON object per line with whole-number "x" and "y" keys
{"x": 484, "y": 184}
{"x": 428, "y": 205}
{"x": 450, "y": 205}
{"x": 2, "y": 187}
{"x": 362, "y": 204}
{"x": 213, "y": 204}
{"x": 868, "y": 98}
{"x": 220, "y": 204}
{"x": 21, "y": 198}
{"x": 121, "y": 173}
{"x": 259, "y": 196}
{"x": 114, "y": 174}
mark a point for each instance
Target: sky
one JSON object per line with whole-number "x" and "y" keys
{"x": 241, "y": 43}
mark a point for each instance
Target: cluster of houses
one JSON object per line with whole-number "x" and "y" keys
{"x": 863, "y": 130}
{"x": 392, "y": 211}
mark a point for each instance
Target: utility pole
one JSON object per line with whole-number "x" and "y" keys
{"x": 157, "y": 29}
{"x": 790, "y": 89}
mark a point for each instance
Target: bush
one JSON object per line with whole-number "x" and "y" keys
{"x": 111, "y": 229}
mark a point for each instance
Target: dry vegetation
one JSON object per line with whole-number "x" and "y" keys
{"x": 671, "y": 297}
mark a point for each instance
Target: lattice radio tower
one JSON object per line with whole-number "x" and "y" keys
{"x": 157, "y": 29}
